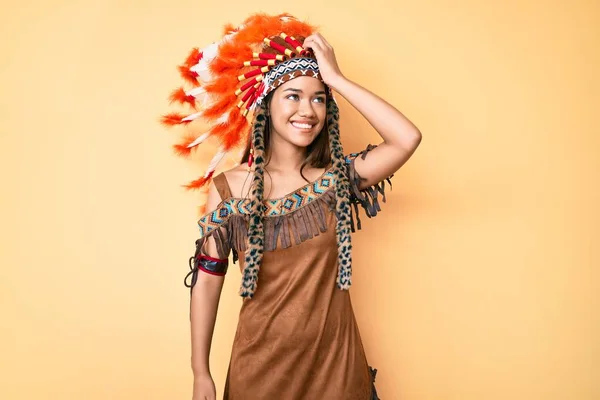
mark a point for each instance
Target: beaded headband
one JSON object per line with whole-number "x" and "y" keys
{"x": 286, "y": 71}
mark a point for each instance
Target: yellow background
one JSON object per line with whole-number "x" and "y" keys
{"x": 478, "y": 281}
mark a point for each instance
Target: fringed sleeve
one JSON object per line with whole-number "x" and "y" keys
{"x": 367, "y": 198}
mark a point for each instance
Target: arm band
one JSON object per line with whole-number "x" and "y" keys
{"x": 210, "y": 265}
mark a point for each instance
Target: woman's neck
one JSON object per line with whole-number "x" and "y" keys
{"x": 285, "y": 157}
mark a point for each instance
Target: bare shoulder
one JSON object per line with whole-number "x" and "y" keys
{"x": 238, "y": 180}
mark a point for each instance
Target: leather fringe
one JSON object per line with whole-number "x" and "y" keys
{"x": 368, "y": 198}
{"x": 285, "y": 230}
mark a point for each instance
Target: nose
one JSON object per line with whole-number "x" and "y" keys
{"x": 305, "y": 109}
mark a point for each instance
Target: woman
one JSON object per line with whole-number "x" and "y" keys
{"x": 288, "y": 208}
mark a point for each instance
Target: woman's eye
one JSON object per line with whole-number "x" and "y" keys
{"x": 296, "y": 97}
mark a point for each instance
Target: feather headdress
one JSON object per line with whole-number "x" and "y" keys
{"x": 228, "y": 78}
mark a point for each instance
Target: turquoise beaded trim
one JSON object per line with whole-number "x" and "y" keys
{"x": 273, "y": 207}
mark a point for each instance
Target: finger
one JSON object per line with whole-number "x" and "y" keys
{"x": 312, "y": 39}
{"x": 316, "y": 39}
{"x": 313, "y": 44}
{"x": 307, "y": 41}
{"x": 320, "y": 39}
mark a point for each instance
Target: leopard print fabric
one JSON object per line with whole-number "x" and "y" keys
{"x": 343, "y": 211}
{"x": 256, "y": 234}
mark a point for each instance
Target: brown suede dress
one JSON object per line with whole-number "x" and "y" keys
{"x": 297, "y": 338}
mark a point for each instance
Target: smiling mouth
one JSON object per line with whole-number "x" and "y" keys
{"x": 300, "y": 125}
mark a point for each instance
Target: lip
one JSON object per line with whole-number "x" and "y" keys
{"x": 305, "y": 121}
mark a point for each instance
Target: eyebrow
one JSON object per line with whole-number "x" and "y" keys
{"x": 300, "y": 91}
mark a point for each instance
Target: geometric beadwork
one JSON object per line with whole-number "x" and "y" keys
{"x": 350, "y": 156}
{"x": 273, "y": 207}
{"x": 300, "y": 197}
{"x": 286, "y": 71}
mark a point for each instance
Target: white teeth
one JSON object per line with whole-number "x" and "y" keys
{"x": 302, "y": 126}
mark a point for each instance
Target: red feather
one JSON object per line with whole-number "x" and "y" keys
{"x": 179, "y": 96}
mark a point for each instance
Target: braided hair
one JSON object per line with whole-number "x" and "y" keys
{"x": 256, "y": 233}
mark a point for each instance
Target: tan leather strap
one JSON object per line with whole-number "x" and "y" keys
{"x": 222, "y": 186}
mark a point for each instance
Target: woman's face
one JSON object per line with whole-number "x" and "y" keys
{"x": 298, "y": 110}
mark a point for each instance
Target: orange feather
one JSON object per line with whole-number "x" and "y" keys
{"x": 187, "y": 75}
{"x": 182, "y": 149}
{"x": 193, "y": 58}
{"x": 173, "y": 119}
{"x": 230, "y": 132}
{"x": 220, "y": 107}
{"x": 298, "y": 28}
{"x": 229, "y": 28}
{"x": 179, "y": 96}
{"x": 257, "y": 28}
{"x": 222, "y": 85}
{"x": 218, "y": 130}
{"x": 222, "y": 65}
{"x": 236, "y": 132}
{"x": 199, "y": 183}
{"x": 235, "y": 50}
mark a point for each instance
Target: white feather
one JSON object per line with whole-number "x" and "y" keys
{"x": 191, "y": 117}
{"x": 198, "y": 140}
{"x": 223, "y": 118}
{"x": 215, "y": 162}
{"x": 196, "y": 92}
{"x": 210, "y": 51}
{"x": 201, "y": 66}
{"x": 208, "y": 54}
{"x": 202, "y": 70}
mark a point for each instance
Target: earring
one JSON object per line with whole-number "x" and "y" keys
{"x": 250, "y": 158}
